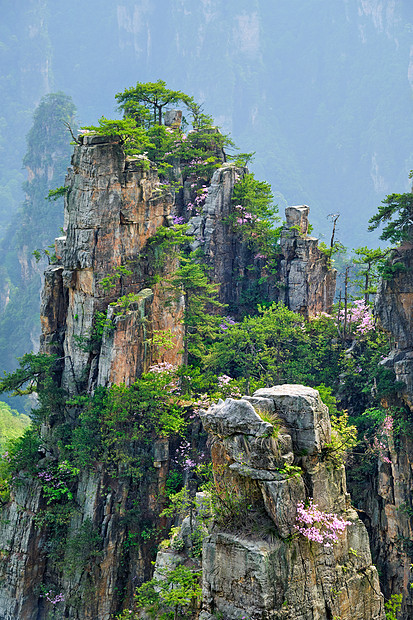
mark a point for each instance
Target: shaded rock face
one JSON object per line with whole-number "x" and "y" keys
{"x": 305, "y": 282}
{"x": 386, "y": 490}
{"x": 284, "y": 576}
{"x": 394, "y": 307}
{"x": 386, "y": 503}
{"x": 309, "y": 283}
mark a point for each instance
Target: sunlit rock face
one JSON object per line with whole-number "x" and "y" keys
{"x": 261, "y": 575}
{"x": 114, "y": 205}
{"x": 113, "y": 208}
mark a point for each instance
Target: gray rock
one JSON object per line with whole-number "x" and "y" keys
{"x": 304, "y": 414}
{"x": 281, "y": 498}
{"x": 274, "y": 581}
{"x": 173, "y": 118}
{"x": 234, "y": 417}
{"x": 297, "y": 217}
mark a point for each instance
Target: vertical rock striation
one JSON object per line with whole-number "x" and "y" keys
{"x": 309, "y": 283}
{"x": 387, "y": 501}
{"x": 394, "y": 307}
{"x": 114, "y": 205}
{"x": 268, "y": 571}
{"x": 305, "y": 282}
{"x": 113, "y": 208}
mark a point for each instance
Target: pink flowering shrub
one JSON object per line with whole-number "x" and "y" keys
{"x": 162, "y": 367}
{"x": 319, "y": 526}
{"x": 380, "y": 444}
{"x": 359, "y": 318}
{"x": 54, "y": 599}
{"x": 195, "y": 207}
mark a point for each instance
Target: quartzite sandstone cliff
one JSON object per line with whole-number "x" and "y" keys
{"x": 114, "y": 205}
{"x": 261, "y": 569}
{"x": 387, "y": 499}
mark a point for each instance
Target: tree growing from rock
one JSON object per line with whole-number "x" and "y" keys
{"x": 145, "y": 102}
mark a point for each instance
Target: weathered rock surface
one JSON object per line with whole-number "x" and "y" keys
{"x": 303, "y": 412}
{"x": 386, "y": 491}
{"x": 305, "y": 282}
{"x": 114, "y": 205}
{"x": 394, "y": 307}
{"x": 284, "y": 576}
{"x": 309, "y": 283}
{"x": 101, "y": 336}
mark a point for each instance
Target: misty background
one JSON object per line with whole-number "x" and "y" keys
{"x": 321, "y": 90}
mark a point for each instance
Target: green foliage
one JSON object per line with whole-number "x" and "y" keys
{"x": 118, "y": 424}
{"x": 101, "y": 325}
{"x": 277, "y": 346}
{"x": 110, "y": 282}
{"x": 256, "y": 197}
{"x": 242, "y": 159}
{"x": 370, "y": 264}
{"x": 59, "y": 192}
{"x": 343, "y": 435}
{"x": 57, "y": 480}
{"x": 123, "y": 303}
{"x": 254, "y": 216}
{"x": 12, "y": 424}
{"x": 397, "y": 209}
{"x": 146, "y": 97}
{"x": 134, "y": 138}
{"x": 291, "y": 471}
{"x": 232, "y": 508}
{"x": 393, "y": 606}
{"x": 191, "y": 282}
{"x": 171, "y": 596}
{"x": 336, "y": 249}
{"x": 173, "y": 483}
{"x": 45, "y": 253}
{"x": 36, "y": 373}
{"x": 165, "y": 246}
{"x": 19, "y": 459}
{"x": 55, "y": 522}
{"x": 270, "y": 418}
{"x": 362, "y": 375}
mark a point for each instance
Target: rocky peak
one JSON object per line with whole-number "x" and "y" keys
{"x": 113, "y": 206}
{"x": 286, "y": 575}
{"x": 309, "y": 281}
{"x": 394, "y": 307}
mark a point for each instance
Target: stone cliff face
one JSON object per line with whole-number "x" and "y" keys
{"x": 394, "y": 307}
{"x": 308, "y": 283}
{"x": 387, "y": 501}
{"x": 262, "y": 568}
{"x": 304, "y": 282}
{"x": 114, "y": 206}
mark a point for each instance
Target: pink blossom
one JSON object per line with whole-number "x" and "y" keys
{"x": 319, "y": 526}
{"x": 161, "y": 367}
